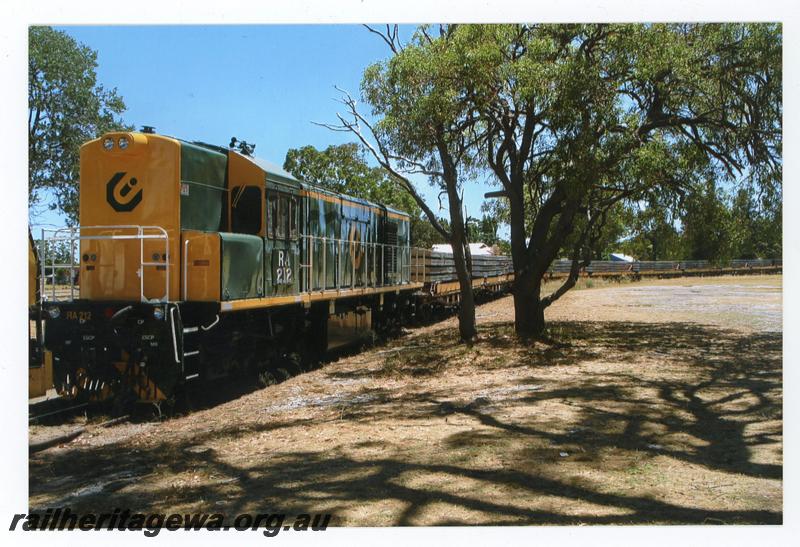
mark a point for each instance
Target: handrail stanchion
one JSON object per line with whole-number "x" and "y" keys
{"x": 72, "y": 269}
{"x": 141, "y": 264}
{"x": 185, "y": 291}
{"x": 167, "y": 267}
{"x": 42, "y": 284}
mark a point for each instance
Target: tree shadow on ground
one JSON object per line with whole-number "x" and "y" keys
{"x": 695, "y": 399}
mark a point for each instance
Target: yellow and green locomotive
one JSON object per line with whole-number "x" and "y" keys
{"x": 194, "y": 261}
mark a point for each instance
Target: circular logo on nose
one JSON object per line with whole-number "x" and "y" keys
{"x": 120, "y": 194}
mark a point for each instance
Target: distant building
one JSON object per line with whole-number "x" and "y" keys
{"x": 475, "y": 249}
{"x": 619, "y": 257}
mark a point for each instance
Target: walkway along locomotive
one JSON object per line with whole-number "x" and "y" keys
{"x": 195, "y": 261}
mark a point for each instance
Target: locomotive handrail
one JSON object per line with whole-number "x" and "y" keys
{"x": 403, "y": 256}
{"x": 185, "y": 285}
{"x": 73, "y": 234}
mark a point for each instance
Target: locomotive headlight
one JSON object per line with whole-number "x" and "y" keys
{"x": 108, "y": 143}
{"x": 123, "y": 143}
{"x": 158, "y": 313}
{"x": 54, "y": 312}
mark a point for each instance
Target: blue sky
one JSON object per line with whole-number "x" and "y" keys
{"x": 264, "y": 84}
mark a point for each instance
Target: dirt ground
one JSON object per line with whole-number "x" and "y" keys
{"x": 659, "y": 403}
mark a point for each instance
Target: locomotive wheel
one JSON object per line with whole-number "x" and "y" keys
{"x": 162, "y": 409}
{"x": 180, "y": 400}
{"x": 368, "y": 340}
{"x": 123, "y": 403}
{"x": 294, "y": 364}
{"x": 282, "y": 374}
{"x": 266, "y": 378}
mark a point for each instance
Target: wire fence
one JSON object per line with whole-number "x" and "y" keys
{"x": 440, "y": 266}
{"x": 618, "y": 267}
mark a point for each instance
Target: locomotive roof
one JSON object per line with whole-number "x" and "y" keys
{"x": 329, "y": 192}
{"x": 273, "y": 169}
{"x": 280, "y": 175}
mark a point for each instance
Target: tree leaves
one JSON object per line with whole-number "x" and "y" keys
{"x": 66, "y": 107}
{"x": 578, "y": 121}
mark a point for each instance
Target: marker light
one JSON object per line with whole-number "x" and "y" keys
{"x": 54, "y": 312}
{"x": 158, "y": 313}
{"x": 108, "y": 143}
{"x": 123, "y": 143}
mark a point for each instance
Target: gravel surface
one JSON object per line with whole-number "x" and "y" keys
{"x": 657, "y": 402}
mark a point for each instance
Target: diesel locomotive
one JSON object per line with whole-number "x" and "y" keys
{"x": 194, "y": 261}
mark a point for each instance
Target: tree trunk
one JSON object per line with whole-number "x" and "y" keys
{"x": 458, "y": 242}
{"x": 466, "y": 311}
{"x": 528, "y": 308}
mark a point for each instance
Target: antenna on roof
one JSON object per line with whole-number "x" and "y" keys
{"x": 244, "y": 147}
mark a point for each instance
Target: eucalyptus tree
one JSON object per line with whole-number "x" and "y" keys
{"x": 574, "y": 120}
{"x": 66, "y": 107}
{"x": 756, "y": 214}
{"x": 419, "y": 125}
{"x": 579, "y": 118}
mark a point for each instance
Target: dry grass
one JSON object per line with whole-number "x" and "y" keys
{"x": 653, "y": 414}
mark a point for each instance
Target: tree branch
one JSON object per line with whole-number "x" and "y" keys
{"x": 390, "y": 37}
{"x": 384, "y": 157}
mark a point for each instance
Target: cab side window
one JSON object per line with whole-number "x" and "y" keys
{"x": 246, "y": 209}
{"x": 293, "y": 212}
{"x": 272, "y": 214}
{"x": 282, "y": 217}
